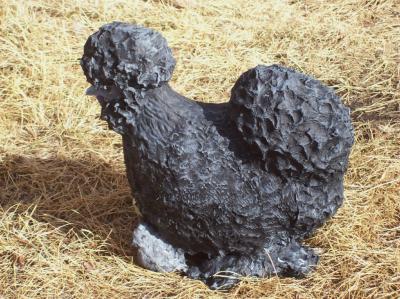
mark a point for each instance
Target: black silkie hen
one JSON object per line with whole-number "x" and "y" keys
{"x": 221, "y": 187}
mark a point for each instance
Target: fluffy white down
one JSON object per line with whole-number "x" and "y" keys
{"x": 155, "y": 254}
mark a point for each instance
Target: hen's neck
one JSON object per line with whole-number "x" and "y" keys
{"x": 158, "y": 114}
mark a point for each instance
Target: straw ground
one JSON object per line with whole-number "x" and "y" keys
{"x": 66, "y": 212}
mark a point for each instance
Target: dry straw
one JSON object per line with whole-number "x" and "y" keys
{"x": 66, "y": 214}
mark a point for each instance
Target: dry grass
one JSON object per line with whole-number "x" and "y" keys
{"x": 65, "y": 207}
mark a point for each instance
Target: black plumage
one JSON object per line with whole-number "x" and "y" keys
{"x": 221, "y": 187}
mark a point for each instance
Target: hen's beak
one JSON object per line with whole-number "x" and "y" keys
{"x": 91, "y": 91}
{"x": 104, "y": 95}
{"x": 101, "y": 95}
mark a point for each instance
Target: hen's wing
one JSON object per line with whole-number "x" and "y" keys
{"x": 296, "y": 124}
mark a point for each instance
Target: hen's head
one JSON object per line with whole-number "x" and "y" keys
{"x": 121, "y": 55}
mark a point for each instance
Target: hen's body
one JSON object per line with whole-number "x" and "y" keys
{"x": 222, "y": 183}
{"x": 187, "y": 166}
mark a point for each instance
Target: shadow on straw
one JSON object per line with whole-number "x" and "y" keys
{"x": 82, "y": 195}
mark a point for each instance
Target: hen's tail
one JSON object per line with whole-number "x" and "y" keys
{"x": 125, "y": 55}
{"x": 295, "y": 123}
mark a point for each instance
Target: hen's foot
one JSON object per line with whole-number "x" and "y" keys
{"x": 222, "y": 272}
{"x": 156, "y": 254}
